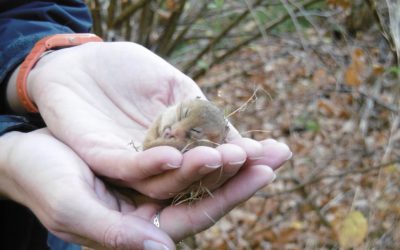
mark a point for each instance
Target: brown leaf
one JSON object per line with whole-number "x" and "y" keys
{"x": 354, "y": 73}
{"x": 172, "y": 5}
{"x": 352, "y": 230}
{"x": 344, "y": 4}
{"x": 352, "y": 77}
{"x": 287, "y": 235}
{"x": 326, "y": 107}
{"x": 378, "y": 70}
{"x": 319, "y": 77}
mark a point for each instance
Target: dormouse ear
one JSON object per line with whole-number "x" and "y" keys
{"x": 226, "y": 129}
{"x": 226, "y": 123}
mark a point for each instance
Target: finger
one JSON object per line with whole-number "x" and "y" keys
{"x": 180, "y": 221}
{"x": 127, "y": 166}
{"x": 196, "y": 163}
{"x": 77, "y": 213}
{"x": 155, "y": 161}
{"x": 274, "y": 154}
{"x": 233, "y": 158}
{"x": 254, "y": 149}
{"x": 103, "y": 228}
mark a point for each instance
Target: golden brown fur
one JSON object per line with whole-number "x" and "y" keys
{"x": 188, "y": 124}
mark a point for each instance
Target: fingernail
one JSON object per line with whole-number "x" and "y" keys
{"x": 237, "y": 163}
{"x": 254, "y": 158}
{"x": 213, "y": 165}
{"x": 209, "y": 168}
{"x": 171, "y": 165}
{"x": 290, "y": 156}
{"x": 273, "y": 177}
{"x": 153, "y": 245}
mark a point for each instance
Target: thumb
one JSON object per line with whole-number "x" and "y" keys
{"x": 93, "y": 224}
{"x": 119, "y": 231}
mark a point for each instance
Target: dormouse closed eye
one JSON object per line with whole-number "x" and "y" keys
{"x": 196, "y": 132}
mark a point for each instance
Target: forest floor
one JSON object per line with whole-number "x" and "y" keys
{"x": 334, "y": 103}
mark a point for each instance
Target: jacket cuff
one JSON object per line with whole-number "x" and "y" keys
{"x": 18, "y": 49}
{"x": 27, "y": 123}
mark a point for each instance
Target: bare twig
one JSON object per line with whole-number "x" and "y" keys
{"x": 368, "y": 107}
{"x": 245, "y": 42}
{"x": 145, "y": 23}
{"x": 368, "y": 96}
{"x": 128, "y": 25}
{"x": 328, "y": 176}
{"x": 253, "y": 97}
{"x": 112, "y": 7}
{"x": 170, "y": 28}
{"x": 179, "y": 38}
{"x": 316, "y": 208}
{"x": 95, "y": 9}
{"x": 385, "y": 33}
{"x": 218, "y": 38}
{"x": 128, "y": 12}
{"x": 395, "y": 126}
{"x": 394, "y": 18}
{"x": 295, "y": 23}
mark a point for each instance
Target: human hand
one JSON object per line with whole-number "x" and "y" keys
{"x": 100, "y": 98}
{"x": 45, "y": 175}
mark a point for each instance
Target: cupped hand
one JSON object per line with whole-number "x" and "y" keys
{"x": 45, "y": 175}
{"x": 100, "y": 99}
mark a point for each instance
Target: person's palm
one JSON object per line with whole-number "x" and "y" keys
{"x": 77, "y": 206}
{"x": 100, "y": 98}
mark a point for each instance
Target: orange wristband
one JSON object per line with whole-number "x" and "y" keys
{"x": 47, "y": 43}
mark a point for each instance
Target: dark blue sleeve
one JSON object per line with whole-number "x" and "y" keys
{"x": 22, "y": 23}
{"x": 20, "y": 123}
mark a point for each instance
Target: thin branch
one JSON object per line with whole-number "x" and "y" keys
{"x": 218, "y": 38}
{"x": 128, "y": 25}
{"x": 386, "y": 35}
{"x": 112, "y": 7}
{"x": 393, "y": 129}
{"x": 367, "y": 96}
{"x": 245, "y": 42}
{"x": 170, "y": 28}
{"x": 95, "y": 8}
{"x": 210, "y": 86}
{"x": 316, "y": 208}
{"x": 128, "y": 12}
{"x": 295, "y": 23}
{"x": 179, "y": 38}
{"x": 328, "y": 176}
{"x": 145, "y": 23}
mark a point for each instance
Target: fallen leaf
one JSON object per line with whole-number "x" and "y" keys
{"x": 326, "y": 107}
{"x": 344, "y": 4}
{"x": 352, "y": 77}
{"x": 352, "y": 230}
{"x": 171, "y": 5}
{"x": 378, "y": 70}
{"x": 354, "y": 73}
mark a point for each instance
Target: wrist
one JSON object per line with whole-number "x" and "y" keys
{"x": 8, "y": 189}
{"x": 12, "y": 98}
{"x": 45, "y": 44}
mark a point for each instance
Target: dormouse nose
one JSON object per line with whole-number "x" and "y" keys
{"x": 178, "y": 132}
{"x": 174, "y": 132}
